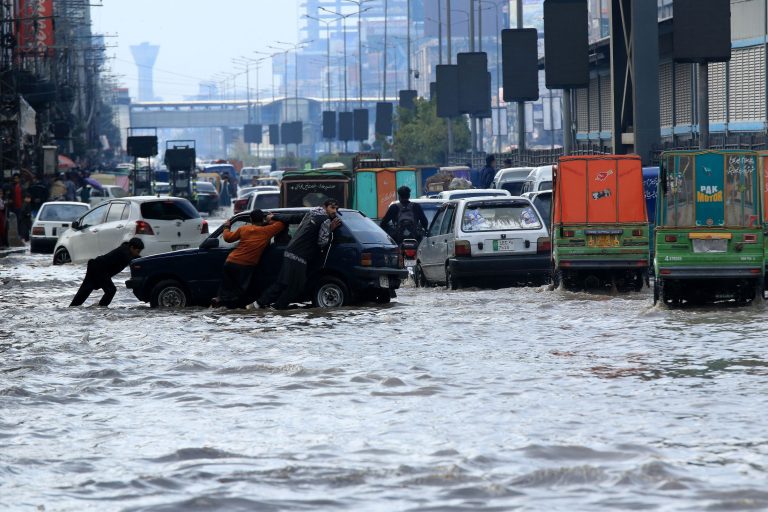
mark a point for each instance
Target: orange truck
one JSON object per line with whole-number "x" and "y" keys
{"x": 600, "y": 232}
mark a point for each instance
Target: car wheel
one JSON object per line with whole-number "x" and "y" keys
{"x": 419, "y": 279}
{"x": 450, "y": 280}
{"x": 330, "y": 293}
{"x": 168, "y": 294}
{"x": 61, "y": 256}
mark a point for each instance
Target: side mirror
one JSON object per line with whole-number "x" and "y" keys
{"x": 75, "y": 225}
{"x": 210, "y": 243}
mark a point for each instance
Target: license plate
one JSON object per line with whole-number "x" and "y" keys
{"x": 384, "y": 281}
{"x": 503, "y": 245}
{"x": 179, "y": 247}
{"x": 603, "y": 241}
{"x": 705, "y": 246}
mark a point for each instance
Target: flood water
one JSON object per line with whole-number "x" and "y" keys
{"x": 512, "y": 399}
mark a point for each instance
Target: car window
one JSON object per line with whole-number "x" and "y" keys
{"x": 434, "y": 228}
{"x": 119, "y": 192}
{"x": 446, "y": 226}
{"x": 364, "y": 229}
{"x": 61, "y": 212}
{"x": 543, "y": 203}
{"x": 235, "y": 225}
{"x": 126, "y": 212}
{"x": 480, "y": 217}
{"x": 115, "y": 212}
{"x": 545, "y": 185}
{"x": 266, "y": 201}
{"x": 430, "y": 210}
{"x": 204, "y": 186}
{"x": 169, "y": 210}
{"x": 513, "y": 187}
{"x": 97, "y": 193}
{"x": 94, "y": 217}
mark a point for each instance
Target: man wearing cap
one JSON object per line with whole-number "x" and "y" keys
{"x": 312, "y": 235}
{"x": 242, "y": 261}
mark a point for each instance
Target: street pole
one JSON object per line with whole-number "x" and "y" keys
{"x": 439, "y": 32}
{"x": 386, "y": 49}
{"x": 472, "y": 120}
{"x": 520, "y": 104}
{"x": 702, "y": 98}
{"x": 450, "y": 59}
{"x": 360, "y": 52}
{"x": 408, "y": 41}
{"x": 567, "y": 122}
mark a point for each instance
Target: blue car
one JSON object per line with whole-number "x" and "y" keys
{"x": 362, "y": 264}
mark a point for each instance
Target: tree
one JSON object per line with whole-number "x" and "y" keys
{"x": 422, "y": 137}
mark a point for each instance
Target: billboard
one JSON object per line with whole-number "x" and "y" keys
{"x": 35, "y": 32}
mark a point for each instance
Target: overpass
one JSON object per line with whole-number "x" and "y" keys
{"x": 227, "y": 117}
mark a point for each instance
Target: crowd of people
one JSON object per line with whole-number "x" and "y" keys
{"x": 26, "y": 193}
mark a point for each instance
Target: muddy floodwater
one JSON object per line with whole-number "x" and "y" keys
{"x": 476, "y": 400}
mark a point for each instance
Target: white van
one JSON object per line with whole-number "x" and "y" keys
{"x": 539, "y": 179}
{"x": 511, "y": 179}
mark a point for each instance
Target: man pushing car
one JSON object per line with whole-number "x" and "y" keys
{"x": 102, "y": 269}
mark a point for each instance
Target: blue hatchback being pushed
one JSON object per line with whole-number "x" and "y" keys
{"x": 362, "y": 264}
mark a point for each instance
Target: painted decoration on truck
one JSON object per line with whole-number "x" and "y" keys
{"x": 710, "y": 185}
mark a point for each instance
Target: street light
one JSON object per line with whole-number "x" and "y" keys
{"x": 344, "y": 17}
{"x": 498, "y": 66}
{"x": 295, "y": 47}
{"x": 360, "y": 11}
{"x": 328, "y": 52}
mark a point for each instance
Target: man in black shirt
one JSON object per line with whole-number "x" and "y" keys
{"x": 103, "y": 268}
{"x": 405, "y": 219}
{"x": 312, "y": 235}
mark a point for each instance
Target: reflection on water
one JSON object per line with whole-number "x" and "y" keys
{"x": 467, "y": 400}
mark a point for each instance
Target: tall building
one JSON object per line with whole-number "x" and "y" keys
{"x": 145, "y": 56}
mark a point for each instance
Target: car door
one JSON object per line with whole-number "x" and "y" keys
{"x": 445, "y": 241}
{"x": 113, "y": 229}
{"x": 84, "y": 242}
{"x": 210, "y": 263}
{"x": 429, "y": 257}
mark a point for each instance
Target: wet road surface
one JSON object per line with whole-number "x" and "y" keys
{"x": 512, "y": 399}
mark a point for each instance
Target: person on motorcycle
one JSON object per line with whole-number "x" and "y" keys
{"x": 405, "y": 219}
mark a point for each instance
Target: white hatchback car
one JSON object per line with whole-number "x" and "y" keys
{"x": 497, "y": 238}
{"x": 164, "y": 224}
{"x": 264, "y": 200}
{"x": 447, "y": 195}
{"x": 53, "y": 218}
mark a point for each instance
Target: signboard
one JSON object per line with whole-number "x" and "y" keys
{"x": 710, "y": 185}
{"x": 35, "y": 26}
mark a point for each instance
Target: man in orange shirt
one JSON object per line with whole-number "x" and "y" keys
{"x": 242, "y": 261}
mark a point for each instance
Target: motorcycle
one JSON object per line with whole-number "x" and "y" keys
{"x": 408, "y": 250}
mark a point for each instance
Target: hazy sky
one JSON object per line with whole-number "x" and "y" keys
{"x": 197, "y": 38}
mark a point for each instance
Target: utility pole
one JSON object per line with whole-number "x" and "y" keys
{"x": 386, "y": 49}
{"x": 520, "y": 104}
{"x": 408, "y": 42}
{"x": 450, "y": 59}
{"x": 472, "y": 120}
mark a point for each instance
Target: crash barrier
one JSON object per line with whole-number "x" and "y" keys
{"x": 526, "y": 158}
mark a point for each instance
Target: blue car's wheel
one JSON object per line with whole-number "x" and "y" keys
{"x": 330, "y": 293}
{"x": 168, "y": 294}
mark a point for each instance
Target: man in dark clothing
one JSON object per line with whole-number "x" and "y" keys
{"x": 312, "y": 235}
{"x": 102, "y": 269}
{"x": 405, "y": 219}
{"x": 488, "y": 172}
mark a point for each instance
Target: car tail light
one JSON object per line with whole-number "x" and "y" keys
{"x": 204, "y": 227}
{"x": 569, "y": 233}
{"x": 143, "y": 228}
{"x": 39, "y": 230}
{"x": 750, "y": 239}
{"x": 366, "y": 259}
{"x": 462, "y": 248}
{"x": 637, "y": 232}
{"x": 544, "y": 245}
{"x": 670, "y": 238}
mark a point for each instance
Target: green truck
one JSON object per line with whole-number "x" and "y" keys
{"x": 709, "y": 236}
